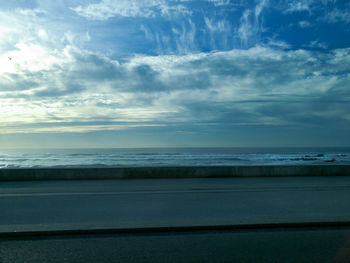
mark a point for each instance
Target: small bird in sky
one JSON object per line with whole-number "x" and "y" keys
{"x": 10, "y": 58}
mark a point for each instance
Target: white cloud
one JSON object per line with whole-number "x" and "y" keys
{"x": 107, "y": 9}
{"x": 43, "y": 35}
{"x": 232, "y": 4}
{"x": 32, "y": 12}
{"x": 30, "y": 57}
{"x": 148, "y": 33}
{"x": 273, "y": 43}
{"x": 251, "y": 24}
{"x": 317, "y": 44}
{"x": 219, "y": 31}
{"x": 299, "y": 6}
{"x": 259, "y": 7}
{"x": 81, "y": 86}
{"x": 180, "y": 38}
{"x": 337, "y": 15}
{"x": 185, "y": 40}
{"x": 220, "y": 2}
{"x": 215, "y": 26}
{"x": 245, "y": 29}
{"x": 312, "y": 7}
{"x": 304, "y": 24}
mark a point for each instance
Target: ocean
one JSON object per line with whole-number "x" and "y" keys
{"x": 37, "y": 158}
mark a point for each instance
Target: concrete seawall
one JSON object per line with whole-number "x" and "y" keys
{"x": 27, "y": 174}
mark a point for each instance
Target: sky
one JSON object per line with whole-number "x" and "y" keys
{"x": 176, "y": 73}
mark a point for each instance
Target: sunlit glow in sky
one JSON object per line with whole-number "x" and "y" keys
{"x": 137, "y": 73}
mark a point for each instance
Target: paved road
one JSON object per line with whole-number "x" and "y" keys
{"x": 52, "y": 205}
{"x": 308, "y": 245}
{"x": 126, "y": 204}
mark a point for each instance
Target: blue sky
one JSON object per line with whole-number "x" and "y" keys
{"x": 150, "y": 73}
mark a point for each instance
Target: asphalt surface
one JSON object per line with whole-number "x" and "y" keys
{"x": 39, "y": 206}
{"x": 280, "y": 245}
{"x": 46, "y": 205}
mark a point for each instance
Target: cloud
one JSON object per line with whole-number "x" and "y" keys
{"x": 304, "y": 24}
{"x": 337, "y": 15}
{"x": 32, "y": 12}
{"x": 251, "y": 24}
{"x": 246, "y": 28}
{"x": 218, "y": 70}
{"x": 220, "y": 33}
{"x": 185, "y": 37}
{"x": 299, "y": 6}
{"x": 51, "y": 79}
{"x": 179, "y": 37}
{"x": 107, "y": 9}
{"x": 277, "y": 44}
{"x": 257, "y": 86}
{"x": 325, "y": 10}
{"x": 317, "y": 44}
{"x": 220, "y": 2}
{"x": 74, "y": 127}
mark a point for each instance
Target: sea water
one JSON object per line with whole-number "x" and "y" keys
{"x": 171, "y": 157}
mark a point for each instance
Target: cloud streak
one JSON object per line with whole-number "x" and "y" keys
{"x": 251, "y": 25}
{"x": 107, "y": 9}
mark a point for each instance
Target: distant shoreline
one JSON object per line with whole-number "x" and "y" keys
{"x": 167, "y": 172}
